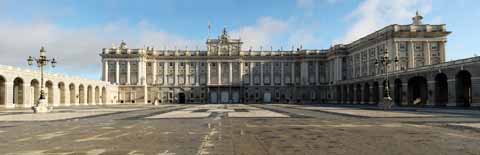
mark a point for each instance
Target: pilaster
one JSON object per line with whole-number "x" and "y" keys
{"x": 427, "y": 53}
{"x": 105, "y": 70}
{"x": 128, "y": 73}
{"x": 209, "y": 64}
{"x": 9, "y": 95}
{"x": 411, "y": 55}
{"x": 219, "y": 65}
{"x": 176, "y": 74}
{"x": 442, "y": 51}
{"x": 230, "y": 74}
{"x": 117, "y": 72}
{"x": 261, "y": 73}
{"x": 154, "y": 67}
{"x": 56, "y": 94}
{"x": 282, "y": 72}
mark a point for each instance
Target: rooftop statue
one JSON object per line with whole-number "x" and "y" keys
{"x": 123, "y": 45}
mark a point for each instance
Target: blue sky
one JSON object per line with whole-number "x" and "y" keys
{"x": 75, "y": 31}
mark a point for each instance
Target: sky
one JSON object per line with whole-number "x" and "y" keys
{"x": 75, "y": 31}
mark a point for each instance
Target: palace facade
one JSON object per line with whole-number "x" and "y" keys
{"x": 345, "y": 73}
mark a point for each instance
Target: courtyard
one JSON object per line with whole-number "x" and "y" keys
{"x": 226, "y": 129}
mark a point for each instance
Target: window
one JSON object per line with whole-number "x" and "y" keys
{"x": 434, "y": 46}
{"x": 171, "y": 64}
{"x": 418, "y": 46}
{"x": 402, "y": 46}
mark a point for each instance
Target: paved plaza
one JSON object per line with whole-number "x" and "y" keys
{"x": 177, "y": 129}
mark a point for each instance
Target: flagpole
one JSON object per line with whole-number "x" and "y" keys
{"x": 209, "y": 27}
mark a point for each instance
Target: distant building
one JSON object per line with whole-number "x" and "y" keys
{"x": 225, "y": 73}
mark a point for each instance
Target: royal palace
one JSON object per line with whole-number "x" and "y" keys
{"x": 345, "y": 73}
{"x": 409, "y": 58}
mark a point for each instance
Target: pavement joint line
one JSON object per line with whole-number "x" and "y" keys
{"x": 360, "y": 116}
{"x": 162, "y": 111}
{"x": 462, "y": 127}
{"x": 79, "y": 118}
{"x": 292, "y": 115}
{"x": 412, "y": 109}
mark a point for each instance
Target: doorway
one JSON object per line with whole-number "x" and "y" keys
{"x": 181, "y": 98}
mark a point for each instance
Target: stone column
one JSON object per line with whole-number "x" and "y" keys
{"x": 219, "y": 72}
{"x": 251, "y": 73}
{"x": 85, "y": 97}
{"x": 197, "y": 73}
{"x": 430, "y": 97}
{"x": 175, "y": 75}
{"x": 67, "y": 94}
{"x": 360, "y": 64}
{"x": 154, "y": 78}
{"x": 441, "y": 46}
{"x": 427, "y": 53}
{"x": 304, "y": 73}
{"x": 241, "y": 72}
{"x": 317, "y": 81}
{"x": 354, "y": 71}
{"x": 141, "y": 72}
{"x": 272, "y": 79}
{"x": 282, "y": 71}
{"x": 117, "y": 72}
{"x": 411, "y": 55}
{"x": 56, "y": 94}
{"x": 9, "y": 95}
{"x": 165, "y": 71}
{"x": 261, "y": 73}
{"x": 397, "y": 54}
{"x": 105, "y": 70}
{"x": 367, "y": 61}
{"x": 231, "y": 73}
{"x": 208, "y": 72}
{"x": 187, "y": 76}
{"x": 128, "y": 73}
{"x": 292, "y": 77}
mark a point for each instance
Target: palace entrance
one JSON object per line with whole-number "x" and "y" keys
{"x": 224, "y": 97}
{"x": 181, "y": 98}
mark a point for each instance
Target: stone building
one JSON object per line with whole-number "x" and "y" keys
{"x": 20, "y": 88}
{"x": 345, "y": 73}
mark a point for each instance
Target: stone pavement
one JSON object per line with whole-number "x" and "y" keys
{"x": 62, "y": 113}
{"x": 238, "y": 129}
{"x": 203, "y": 111}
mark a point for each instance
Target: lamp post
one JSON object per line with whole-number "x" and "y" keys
{"x": 42, "y": 61}
{"x": 385, "y": 61}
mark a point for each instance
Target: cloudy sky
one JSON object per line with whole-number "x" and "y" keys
{"x": 75, "y": 31}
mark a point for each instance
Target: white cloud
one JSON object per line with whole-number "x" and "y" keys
{"x": 262, "y": 33}
{"x": 77, "y": 49}
{"x": 268, "y": 32}
{"x": 304, "y": 37}
{"x": 372, "y": 15}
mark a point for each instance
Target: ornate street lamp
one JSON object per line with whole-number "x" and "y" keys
{"x": 42, "y": 61}
{"x": 385, "y": 61}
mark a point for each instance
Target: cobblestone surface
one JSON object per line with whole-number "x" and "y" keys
{"x": 306, "y": 129}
